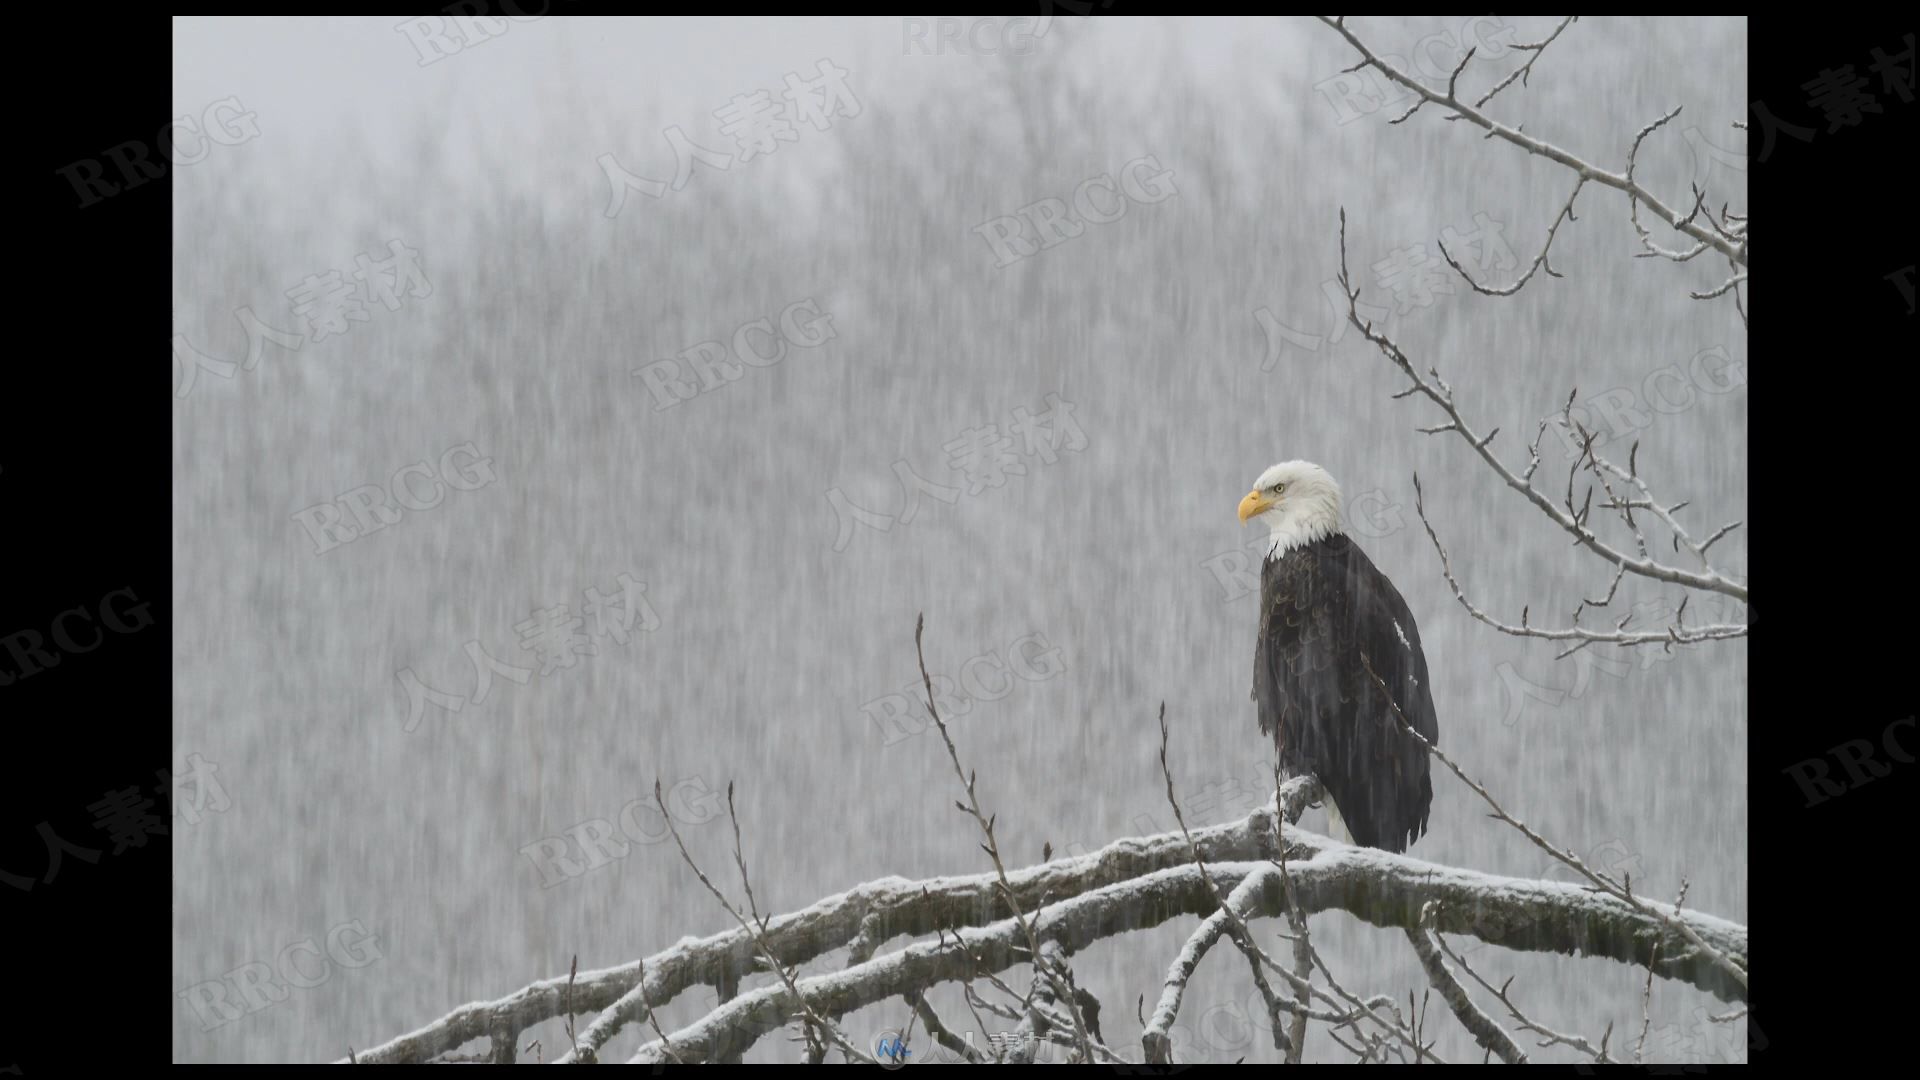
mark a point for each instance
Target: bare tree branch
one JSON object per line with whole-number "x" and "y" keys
{"x": 1548, "y": 1036}
{"x": 1297, "y": 921}
{"x": 1569, "y": 518}
{"x": 757, "y": 927}
{"x": 1522, "y": 73}
{"x": 1540, "y": 261}
{"x": 1669, "y": 635}
{"x": 1484, "y": 1029}
{"x": 992, "y": 847}
{"x": 1736, "y": 252}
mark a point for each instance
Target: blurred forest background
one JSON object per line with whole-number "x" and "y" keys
{"x": 774, "y": 654}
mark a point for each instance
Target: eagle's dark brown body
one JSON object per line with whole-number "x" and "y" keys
{"x": 1326, "y": 614}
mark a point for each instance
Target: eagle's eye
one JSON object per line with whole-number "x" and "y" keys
{"x": 1278, "y": 488}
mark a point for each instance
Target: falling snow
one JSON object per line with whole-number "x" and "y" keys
{"x": 537, "y": 307}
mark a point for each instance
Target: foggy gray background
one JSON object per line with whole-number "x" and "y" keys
{"x": 771, "y": 646}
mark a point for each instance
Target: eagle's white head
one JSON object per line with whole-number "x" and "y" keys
{"x": 1299, "y": 502}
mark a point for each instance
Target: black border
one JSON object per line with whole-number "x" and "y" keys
{"x": 86, "y": 476}
{"x": 1831, "y": 383}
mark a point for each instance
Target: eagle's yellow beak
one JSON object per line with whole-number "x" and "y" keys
{"x": 1254, "y": 503}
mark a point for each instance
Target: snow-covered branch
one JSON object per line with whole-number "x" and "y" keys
{"x": 889, "y": 908}
{"x": 1380, "y": 888}
{"x": 1132, "y": 884}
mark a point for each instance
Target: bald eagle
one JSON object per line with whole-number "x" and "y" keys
{"x": 1327, "y": 616}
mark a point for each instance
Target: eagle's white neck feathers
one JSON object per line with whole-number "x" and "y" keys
{"x": 1306, "y": 510}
